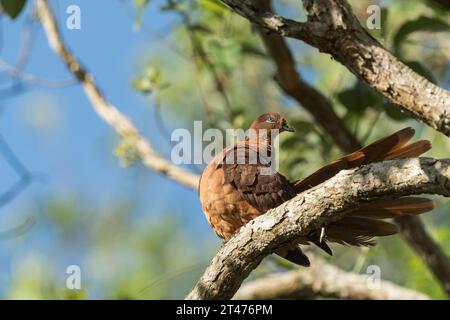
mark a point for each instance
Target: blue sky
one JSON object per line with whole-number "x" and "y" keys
{"x": 56, "y": 133}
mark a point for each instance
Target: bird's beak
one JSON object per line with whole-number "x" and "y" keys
{"x": 287, "y": 128}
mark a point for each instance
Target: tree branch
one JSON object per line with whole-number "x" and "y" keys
{"x": 324, "y": 280}
{"x": 333, "y": 28}
{"x": 311, "y": 210}
{"x": 107, "y": 111}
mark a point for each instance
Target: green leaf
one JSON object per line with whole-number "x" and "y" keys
{"x": 251, "y": 49}
{"x": 12, "y": 7}
{"x": 291, "y": 142}
{"x": 175, "y": 6}
{"x": 224, "y": 53}
{"x": 394, "y": 112}
{"x": 150, "y": 80}
{"x": 199, "y": 27}
{"x": 302, "y": 128}
{"x": 213, "y": 6}
{"x": 358, "y": 98}
{"x": 296, "y": 161}
{"x": 420, "y": 24}
{"x": 384, "y": 21}
{"x": 126, "y": 151}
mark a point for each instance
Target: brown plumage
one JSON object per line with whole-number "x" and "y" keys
{"x": 233, "y": 190}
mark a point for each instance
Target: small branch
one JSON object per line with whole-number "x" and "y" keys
{"x": 333, "y": 28}
{"x": 322, "y": 280}
{"x": 107, "y": 111}
{"x": 312, "y": 209}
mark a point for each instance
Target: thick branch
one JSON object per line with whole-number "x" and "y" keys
{"x": 323, "y": 280}
{"x": 312, "y": 209}
{"x": 107, "y": 111}
{"x": 333, "y": 28}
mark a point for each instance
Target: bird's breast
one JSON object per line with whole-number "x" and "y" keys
{"x": 223, "y": 206}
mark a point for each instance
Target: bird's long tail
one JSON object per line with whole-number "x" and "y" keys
{"x": 391, "y": 147}
{"x": 360, "y": 226}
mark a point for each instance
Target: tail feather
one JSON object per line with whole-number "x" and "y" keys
{"x": 358, "y": 231}
{"x": 349, "y": 237}
{"x": 366, "y": 226}
{"x": 412, "y": 150}
{"x": 390, "y": 208}
{"x": 390, "y": 147}
{"x": 378, "y": 149}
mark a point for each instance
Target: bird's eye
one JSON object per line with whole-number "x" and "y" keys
{"x": 270, "y": 120}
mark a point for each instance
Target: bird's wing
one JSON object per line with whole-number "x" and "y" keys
{"x": 252, "y": 177}
{"x": 388, "y": 148}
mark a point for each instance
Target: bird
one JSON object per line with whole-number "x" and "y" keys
{"x": 233, "y": 190}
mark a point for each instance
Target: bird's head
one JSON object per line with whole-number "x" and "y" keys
{"x": 271, "y": 121}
